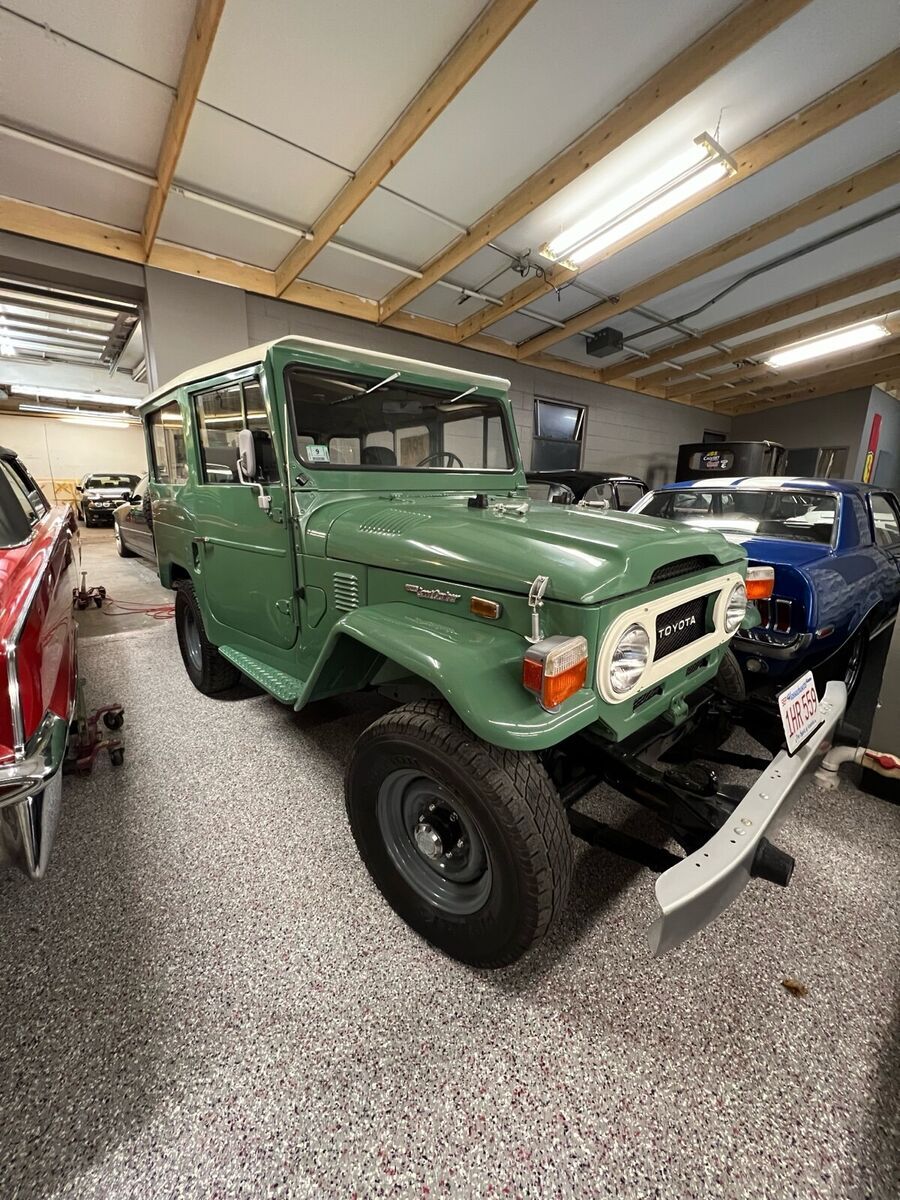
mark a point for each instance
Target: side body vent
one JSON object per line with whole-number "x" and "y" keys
{"x": 346, "y": 591}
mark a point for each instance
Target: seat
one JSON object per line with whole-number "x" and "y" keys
{"x": 378, "y": 456}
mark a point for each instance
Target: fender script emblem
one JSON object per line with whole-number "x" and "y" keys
{"x": 432, "y": 593}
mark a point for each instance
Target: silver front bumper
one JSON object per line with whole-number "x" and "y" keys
{"x": 30, "y": 798}
{"x": 697, "y": 889}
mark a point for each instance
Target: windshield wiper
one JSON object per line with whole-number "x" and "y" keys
{"x": 374, "y": 388}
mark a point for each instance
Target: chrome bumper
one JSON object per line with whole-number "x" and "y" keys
{"x": 697, "y": 889}
{"x": 773, "y": 649}
{"x": 30, "y": 796}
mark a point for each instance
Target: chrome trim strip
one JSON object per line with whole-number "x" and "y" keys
{"x": 11, "y": 646}
{"x": 700, "y": 887}
{"x": 797, "y": 644}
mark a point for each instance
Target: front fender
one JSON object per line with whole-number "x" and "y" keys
{"x": 476, "y": 668}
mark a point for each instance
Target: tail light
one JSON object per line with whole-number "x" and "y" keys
{"x": 555, "y": 668}
{"x": 760, "y": 583}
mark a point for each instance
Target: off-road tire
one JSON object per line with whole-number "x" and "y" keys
{"x": 519, "y": 817}
{"x": 212, "y": 673}
{"x": 729, "y": 679}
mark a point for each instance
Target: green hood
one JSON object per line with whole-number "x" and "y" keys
{"x": 589, "y": 555}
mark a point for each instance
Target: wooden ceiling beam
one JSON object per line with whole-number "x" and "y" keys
{"x": 477, "y": 44}
{"x": 773, "y": 314}
{"x": 867, "y": 310}
{"x": 64, "y": 229}
{"x": 207, "y": 15}
{"x": 705, "y": 57}
{"x": 845, "y": 380}
{"x": 825, "y": 203}
{"x": 857, "y": 95}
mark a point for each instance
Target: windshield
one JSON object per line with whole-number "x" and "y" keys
{"x": 794, "y": 516}
{"x": 110, "y": 481}
{"x": 379, "y": 422}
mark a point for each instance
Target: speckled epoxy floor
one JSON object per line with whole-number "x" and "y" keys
{"x": 207, "y": 997}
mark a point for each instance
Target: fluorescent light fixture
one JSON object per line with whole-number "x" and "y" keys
{"x": 42, "y": 393}
{"x": 669, "y": 185}
{"x": 100, "y": 418}
{"x": 829, "y": 343}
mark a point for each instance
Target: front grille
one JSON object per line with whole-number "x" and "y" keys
{"x": 776, "y": 614}
{"x": 683, "y": 566}
{"x": 346, "y": 591}
{"x": 680, "y": 626}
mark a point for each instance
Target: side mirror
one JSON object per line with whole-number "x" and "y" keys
{"x": 246, "y": 456}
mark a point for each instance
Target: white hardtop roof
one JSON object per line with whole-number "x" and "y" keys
{"x": 256, "y": 354}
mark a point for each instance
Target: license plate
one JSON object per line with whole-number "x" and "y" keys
{"x": 799, "y": 708}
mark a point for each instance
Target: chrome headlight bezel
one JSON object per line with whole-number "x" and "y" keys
{"x": 637, "y": 650}
{"x": 735, "y": 608}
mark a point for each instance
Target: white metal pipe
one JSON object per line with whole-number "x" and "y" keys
{"x": 79, "y": 155}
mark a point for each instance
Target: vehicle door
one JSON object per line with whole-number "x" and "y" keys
{"x": 242, "y": 551}
{"x": 133, "y": 526}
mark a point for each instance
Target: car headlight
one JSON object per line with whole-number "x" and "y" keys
{"x": 629, "y": 659}
{"x": 735, "y": 608}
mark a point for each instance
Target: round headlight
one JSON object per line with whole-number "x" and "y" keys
{"x": 735, "y": 608}
{"x": 629, "y": 660}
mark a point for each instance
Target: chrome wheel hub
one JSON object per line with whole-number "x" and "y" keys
{"x": 428, "y": 841}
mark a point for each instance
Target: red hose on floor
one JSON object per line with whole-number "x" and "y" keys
{"x": 159, "y": 612}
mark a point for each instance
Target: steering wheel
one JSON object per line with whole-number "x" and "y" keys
{"x": 448, "y": 454}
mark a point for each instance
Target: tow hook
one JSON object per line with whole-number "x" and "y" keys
{"x": 772, "y": 864}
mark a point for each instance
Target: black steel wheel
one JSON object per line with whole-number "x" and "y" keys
{"x": 117, "y": 756}
{"x": 209, "y": 672}
{"x": 855, "y": 661}
{"x": 468, "y": 843}
{"x": 113, "y": 720}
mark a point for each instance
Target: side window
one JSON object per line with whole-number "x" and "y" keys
{"x": 600, "y": 491}
{"x": 167, "y": 441}
{"x": 20, "y": 494}
{"x": 629, "y": 493}
{"x": 886, "y": 520}
{"x": 35, "y": 496}
{"x": 221, "y": 414}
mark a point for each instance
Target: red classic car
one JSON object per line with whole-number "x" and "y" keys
{"x": 37, "y": 663}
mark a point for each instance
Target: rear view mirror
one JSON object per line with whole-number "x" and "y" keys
{"x": 246, "y": 456}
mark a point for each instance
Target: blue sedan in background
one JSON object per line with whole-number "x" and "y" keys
{"x": 835, "y": 549}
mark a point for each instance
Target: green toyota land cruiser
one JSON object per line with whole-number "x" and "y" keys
{"x": 334, "y": 519}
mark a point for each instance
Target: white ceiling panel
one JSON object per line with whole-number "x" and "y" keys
{"x": 852, "y": 253}
{"x": 203, "y": 228}
{"x": 348, "y": 273}
{"x": 253, "y": 169}
{"x": 387, "y": 226}
{"x": 481, "y": 267}
{"x": 44, "y": 177}
{"x": 332, "y": 77}
{"x": 71, "y": 95}
{"x": 148, "y": 35}
{"x": 516, "y": 328}
{"x": 563, "y": 304}
{"x": 822, "y": 46}
{"x": 442, "y": 304}
{"x": 855, "y": 146}
{"x": 565, "y": 65}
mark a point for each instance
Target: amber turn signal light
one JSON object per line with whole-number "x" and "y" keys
{"x": 760, "y": 583}
{"x": 555, "y": 669}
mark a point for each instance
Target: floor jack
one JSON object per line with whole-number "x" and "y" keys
{"x": 88, "y": 736}
{"x": 83, "y": 597}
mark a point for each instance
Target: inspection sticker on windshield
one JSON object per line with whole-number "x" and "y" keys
{"x": 799, "y": 708}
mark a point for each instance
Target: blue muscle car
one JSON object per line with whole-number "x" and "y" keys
{"x": 835, "y": 548}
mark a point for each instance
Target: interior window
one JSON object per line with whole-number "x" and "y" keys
{"x": 558, "y": 431}
{"x": 17, "y": 492}
{"x": 36, "y": 497}
{"x": 345, "y": 420}
{"x": 167, "y": 441}
{"x": 220, "y": 418}
{"x": 886, "y": 521}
